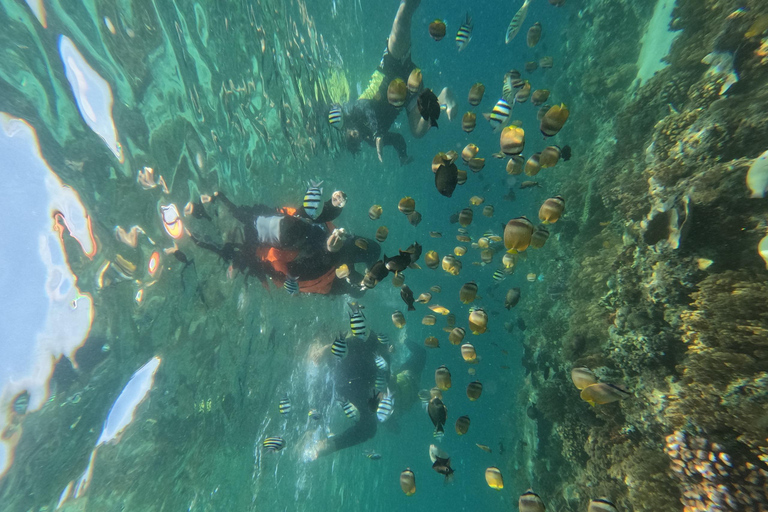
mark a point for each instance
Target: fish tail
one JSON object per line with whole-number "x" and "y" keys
{"x": 411, "y": 308}
{"x": 315, "y": 183}
{"x": 487, "y": 116}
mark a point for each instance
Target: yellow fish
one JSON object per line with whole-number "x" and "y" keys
{"x": 439, "y": 309}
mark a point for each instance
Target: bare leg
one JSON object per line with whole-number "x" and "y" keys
{"x": 400, "y": 38}
{"x": 419, "y": 126}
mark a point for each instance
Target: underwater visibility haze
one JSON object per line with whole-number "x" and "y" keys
{"x": 395, "y": 255}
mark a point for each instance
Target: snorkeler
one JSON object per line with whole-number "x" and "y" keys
{"x": 287, "y": 245}
{"x": 356, "y": 382}
{"x": 371, "y": 116}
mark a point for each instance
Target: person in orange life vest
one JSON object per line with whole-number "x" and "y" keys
{"x": 286, "y": 243}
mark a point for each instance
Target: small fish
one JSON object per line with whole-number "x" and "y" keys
{"x": 424, "y": 396}
{"x": 483, "y": 447}
{"x": 361, "y": 243}
{"x": 380, "y": 384}
{"x": 385, "y": 408}
{"x": 374, "y": 212}
{"x": 603, "y": 393}
{"x": 312, "y": 199}
{"x": 436, "y": 289}
{"x": 601, "y": 505}
{"x": 517, "y": 22}
{"x": 530, "y": 502}
{"x": 357, "y": 321}
{"x": 398, "y": 319}
{"x": 414, "y": 80}
{"x": 476, "y": 93}
{"x": 381, "y": 363}
{"x": 439, "y": 309}
{"x": 468, "y": 122}
{"x": 372, "y": 455}
{"x": 512, "y": 80}
{"x": 476, "y": 200}
{"x": 407, "y": 205}
{"x": 437, "y": 29}
{"x": 339, "y": 347}
{"x": 494, "y": 479}
{"x": 335, "y": 117}
{"x": 274, "y": 444}
{"x": 464, "y": 34}
{"x": 546, "y": 62}
{"x": 443, "y": 466}
{"x": 499, "y": 275}
{"x": 529, "y": 184}
{"x": 534, "y": 35}
{"x": 462, "y": 425}
{"x": 291, "y": 285}
{"x": 424, "y": 298}
{"x": 383, "y": 339}
{"x": 350, "y": 411}
{"x": 435, "y": 234}
{"x": 565, "y": 152}
{"x": 408, "y": 482}
{"x": 285, "y": 405}
{"x": 314, "y": 414}
{"x": 407, "y": 295}
{"x": 342, "y": 271}
{"x": 474, "y": 390}
{"x": 499, "y": 115}
{"x": 512, "y": 298}
{"x": 429, "y": 107}
{"x": 438, "y": 413}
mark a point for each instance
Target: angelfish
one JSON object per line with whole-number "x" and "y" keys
{"x": 517, "y": 22}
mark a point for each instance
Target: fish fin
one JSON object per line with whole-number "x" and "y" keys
{"x": 487, "y": 116}
{"x": 414, "y": 266}
{"x": 512, "y": 251}
{"x": 314, "y": 183}
{"x": 411, "y": 308}
{"x": 434, "y": 123}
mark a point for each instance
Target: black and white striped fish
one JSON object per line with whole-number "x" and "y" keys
{"x": 385, "y": 408}
{"x": 291, "y": 285}
{"x": 380, "y": 384}
{"x": 383, "y": 339}
{"x": 350, "y": 410}
{"x": 335, "y": 117}
{"x": 381, "y": 363}
{"x": 274, "y": 444}
{"x": 357, "y": 322}
{"x": 499, "y": 115}
{"x": 517, "y": 22}
{"x": 285, "y": 405}
{"x": 339, "y": 347}
{"x": 464, "y": 34}
{"x": 499, "y": 275}
{"x": 312, "y": 199}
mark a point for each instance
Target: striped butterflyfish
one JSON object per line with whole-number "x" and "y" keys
{"x": 464, "y": 34}
{"x": 350, "y": 410}
{"x": 313, "y": 198}
{"x": 384, "y": 410}
{"x": 380, "y": 384}
{"x": 285, "y": 405}
{"x": 339, "y": 347}
{"x": 499, "y": 115}
{"x": 291, "y": 285}
{"x": 357, "y": 323}
{"x": 274, "y": 444}
{"x": 381, "y": 363}
{"x": 383, "y": 339}
{"x": 335, "y": 117}
{"x": 499, "y": 275}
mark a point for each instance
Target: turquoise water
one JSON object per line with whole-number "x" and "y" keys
{"x": 123, "y": 387}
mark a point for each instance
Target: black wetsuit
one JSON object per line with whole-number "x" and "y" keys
{"x": 307, "y": 236}
{"x": 355, "y": 378}
{"x": 372, "y": 115}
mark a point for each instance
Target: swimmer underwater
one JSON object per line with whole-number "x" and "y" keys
{"x": 370, "y": 117}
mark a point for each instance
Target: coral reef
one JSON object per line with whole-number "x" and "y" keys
{"x": 666, "y": 290}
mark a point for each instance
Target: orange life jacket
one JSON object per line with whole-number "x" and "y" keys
{"x": 279, "y": 259}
